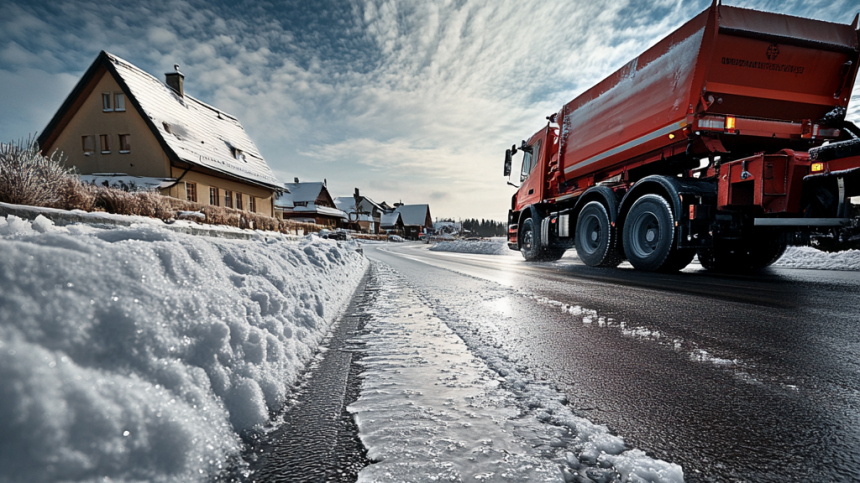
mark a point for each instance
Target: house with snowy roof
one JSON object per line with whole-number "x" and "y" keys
{"x": 366, "y": 218}
{"x": 309, "y": 203}
{"x": 122, "y": 121}
{"x": 392, "y": 223}
{"x": 416, "y": 220}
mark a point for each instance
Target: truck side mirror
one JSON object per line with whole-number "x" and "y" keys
{"x": 508, "y": 162}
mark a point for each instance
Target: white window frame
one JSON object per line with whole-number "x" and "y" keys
{"x": 117, "y": 97}
{"x": 106, "y": 102}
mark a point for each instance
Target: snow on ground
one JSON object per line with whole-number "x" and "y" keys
{"x": 138, "y": 353}
{"x": 431, "y": 411}
{"x": 491, "y": 246}
{"x": 795, "y": 257}
{"x": 808, "y": 257}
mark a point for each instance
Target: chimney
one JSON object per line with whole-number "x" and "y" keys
{"x": 175, "y": 80}
{"x": 356, "y": 192}
{"x": 296, "y": 180}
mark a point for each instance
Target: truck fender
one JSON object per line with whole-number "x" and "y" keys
{"x": 598, "y": 193}
{"x": 531, "y": 211}
{"x": 670, "y": 188}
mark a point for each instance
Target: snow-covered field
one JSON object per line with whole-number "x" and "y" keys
{"x": 138, "y": 353}
{"x": 794, "y": 257}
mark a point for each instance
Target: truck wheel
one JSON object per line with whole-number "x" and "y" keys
{"x": 530, "y": 246}
{"x": 595, "y": 237}
{"x": 649, "y": 233}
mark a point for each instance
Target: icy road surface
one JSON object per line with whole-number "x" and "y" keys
{"x": 733, "y": 378}
{"x": 429, "y": 410}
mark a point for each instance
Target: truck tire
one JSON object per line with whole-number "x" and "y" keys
{"x": 649, "y": 233}
{"x": 595, "y": 237}
{"x": 531, "y": 245}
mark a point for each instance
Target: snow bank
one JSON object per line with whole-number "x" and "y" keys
{"x": 808, "y": 257}
{"x": 493, "y": 246}
{"x": 138, "y": 353}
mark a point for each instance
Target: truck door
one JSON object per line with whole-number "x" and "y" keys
{"x": 531, "y": 190}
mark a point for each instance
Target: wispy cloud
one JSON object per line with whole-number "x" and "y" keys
{"x": 415, "y": 99}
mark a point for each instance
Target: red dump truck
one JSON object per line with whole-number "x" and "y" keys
{"x": 727, "y": 138}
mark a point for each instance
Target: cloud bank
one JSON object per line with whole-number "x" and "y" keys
{"x": 407, "y": 100}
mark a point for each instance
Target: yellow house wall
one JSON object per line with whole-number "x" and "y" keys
{"x": 265, "y": 198}
{"x": 146, "y": 158}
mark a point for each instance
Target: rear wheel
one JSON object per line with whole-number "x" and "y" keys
{"x": 595, "y": 237}
{"x": 649, "y": 233}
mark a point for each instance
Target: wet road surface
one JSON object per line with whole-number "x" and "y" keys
{"x": 736, "y": 378}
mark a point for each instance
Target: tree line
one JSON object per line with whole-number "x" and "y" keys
{"x": 482, "y": 227}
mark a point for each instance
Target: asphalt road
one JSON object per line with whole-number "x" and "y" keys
{"x": 735, "y": 378}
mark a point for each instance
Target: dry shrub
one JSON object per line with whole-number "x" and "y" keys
{"x": 29, "y": 178}
{"x": 75, "y": 195}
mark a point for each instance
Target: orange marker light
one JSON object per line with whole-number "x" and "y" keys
{"x": 817, "y": 167}
{"x": 730, "y": 123}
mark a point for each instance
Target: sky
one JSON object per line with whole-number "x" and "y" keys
{"x": 409, "y": 100}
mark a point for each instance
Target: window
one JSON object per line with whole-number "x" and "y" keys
{"x": 124, "y": 143}
{"x": 253, "y": 201}
{"x": 88, "y": 144}
{"x": 104, "y": 140}
{"x": 239, "y": 204}
{"x": 106, "y": 102}
{"x": 213, "y": 196}
{"x": 119, "y": 102}
{"x": 530, "y": 160}
{"x": 238, "y": 154}
{"x": 300, "y": 203}
{"x": 191, "y": 191}
{"x": 228, "y": 198}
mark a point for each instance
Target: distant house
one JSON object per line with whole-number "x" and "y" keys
{"x": 416, "y": 220}
{"x": 448, "y": 227}
{"x": 392, "y": 223}
{"x": 122, "y": 122}
{"x": 309, "y": 203}
{"x": 366, "y": 218}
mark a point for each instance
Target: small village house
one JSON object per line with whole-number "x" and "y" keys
{"x": 120, "y": 121}
{"x": 416, "y": 220}
{"x": 392, "y": 223}
{"x": 309, "y": 203}
{"x": 366, "y": 217}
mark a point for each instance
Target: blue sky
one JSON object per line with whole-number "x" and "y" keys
{"x": 411, "y": 100}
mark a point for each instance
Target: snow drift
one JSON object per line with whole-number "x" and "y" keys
{"x": 143, "y": 354}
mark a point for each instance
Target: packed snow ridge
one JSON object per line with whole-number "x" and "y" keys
{"x": 794, "y": 257}
{"x": 139, "y": 353}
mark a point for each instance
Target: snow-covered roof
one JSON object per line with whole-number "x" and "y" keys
{"x": 345, "y": 203}
{"x": 389, "y": 219}
{"x": 413, "y": 214}
{"x": 189, "y": 130}
{"x": 284, "y": 200}
{"x": 305, "y": 191}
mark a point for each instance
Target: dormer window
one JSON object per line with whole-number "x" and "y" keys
{"x": 238, "y": 154}
{"x": 106, "y": 106}
{"x": 119, "y": 102}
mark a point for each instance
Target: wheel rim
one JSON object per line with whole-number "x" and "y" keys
{"x": 528, "y": 240}
{"x": 591, "y": 234}
{"x": 646, "y": 234}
